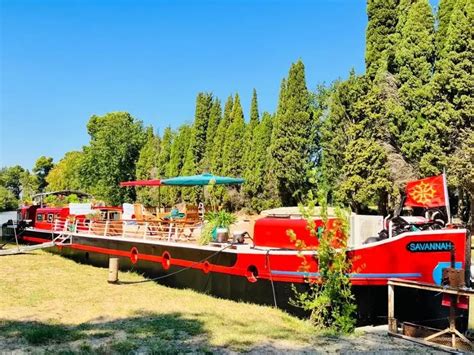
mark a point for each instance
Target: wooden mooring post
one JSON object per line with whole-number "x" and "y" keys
{"x": 113, "y": 270}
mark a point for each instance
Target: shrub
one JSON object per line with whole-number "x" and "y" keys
{"x": 329, "y": 300}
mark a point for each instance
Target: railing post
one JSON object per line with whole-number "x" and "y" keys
{"x": 55, "y": 226}
{"x": 75, "y": 226}
{"x": 146, "y": 230}
{"x": 123, "y": 228}
{"x": 65, "y": 225}
{"x": 90, "y": 225}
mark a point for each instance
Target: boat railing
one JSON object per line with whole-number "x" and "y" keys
{"x": 171, "y": 230}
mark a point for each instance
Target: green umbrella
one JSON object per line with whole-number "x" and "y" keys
{"x": 201, "y": 180}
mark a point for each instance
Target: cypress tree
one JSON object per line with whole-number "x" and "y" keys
{"x": 249, "y": 133}
{"x": 179, "y": 147}
{"x": 355, "y": 160}
{"x": 197, "y": 149}
{"x": 215, "y": 117}
{"x": 415, "y": 52}
{"x": 233, "y": 152}
{"x": 147, "y": 167}
{"x": 221, "y": 137}
{"x": 445, "y": 9}
{"x": 165, "y": 152}
{"x": 452, "y": 99}
{"x": 290, "y": 146}
{"x": 381, "y": 27}
{"x": 256, "y": 178}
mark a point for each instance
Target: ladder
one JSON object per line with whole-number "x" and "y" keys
{"x": 61, "y": 240}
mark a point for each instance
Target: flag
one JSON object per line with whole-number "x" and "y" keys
{"x": 428, "y": 192}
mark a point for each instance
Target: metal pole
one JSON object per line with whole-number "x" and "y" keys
{"x": 159, "y": 199}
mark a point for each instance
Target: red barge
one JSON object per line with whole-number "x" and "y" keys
{"x": 263, "y": 269}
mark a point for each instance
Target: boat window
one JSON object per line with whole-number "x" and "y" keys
{"x": 50, "y": 217}
{"x": 114, "y": 216}
{"x": 39, "y": 217}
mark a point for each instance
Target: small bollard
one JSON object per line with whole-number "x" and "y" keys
{"x": 113, "y": 270}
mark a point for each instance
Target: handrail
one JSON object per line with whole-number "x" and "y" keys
{"x": 159, "y": 229}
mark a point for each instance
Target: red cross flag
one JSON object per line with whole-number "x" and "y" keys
{"x": 427, "y": 192}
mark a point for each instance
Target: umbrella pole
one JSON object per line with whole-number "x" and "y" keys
{"x": 159, "y": 199}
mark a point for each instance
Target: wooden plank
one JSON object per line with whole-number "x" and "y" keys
{"x": 392, "y": 322}
{"x": 430, "y": 287}
{"x": 427, "y": 343}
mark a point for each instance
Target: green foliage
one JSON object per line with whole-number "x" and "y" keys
{"x": 215, "y": 219}
{"x": 249, "y": 134}
{"x": 65, "y": 175}
{"x": 221, "y": 138}
{"x": 8, "y": 201}
{"x": 147, "y": 167}
{"x": 233, "y": 153}
{"x": 329, "y": 299}
{"x": 365, "y": 175}
{"x": 215, "y": 117}
{"x": 291, "y": 143}
{"x": 59, "y": 200}
{"x": 10, "y": 178}
{"x": 445, "y": 9}
{"x": 461, "y": 170}
{"x": 197, "y": 149}
{"x": 29, "y": 186}
{"x": 111, "y": 156}
{"x": 179, "y": 147}
{"x": 451, "y": 87}
{"x": 256, "y": 188}
{"x": 381, "y": 27}
{"x": 42, "y": 168}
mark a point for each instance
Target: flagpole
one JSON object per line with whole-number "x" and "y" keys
{"x": 446, "y": 196}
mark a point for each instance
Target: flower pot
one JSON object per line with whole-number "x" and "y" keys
{"x": 222, "y": 235}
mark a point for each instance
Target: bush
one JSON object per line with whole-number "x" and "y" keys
{"x": 8, "y": 200}
{"x": 329, "y": 299}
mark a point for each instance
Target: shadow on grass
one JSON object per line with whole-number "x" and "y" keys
{"x": 169, "y": 333}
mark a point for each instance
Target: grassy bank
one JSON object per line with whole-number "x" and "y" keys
{"x": 50, "y": 300}
{"x": 49, "y": 303}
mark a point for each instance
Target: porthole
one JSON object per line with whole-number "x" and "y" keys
{"x": 134, "y": 255}
{"x": 166, "y": 260}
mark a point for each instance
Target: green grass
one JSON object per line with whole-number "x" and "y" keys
{"x": 53, "y": 304}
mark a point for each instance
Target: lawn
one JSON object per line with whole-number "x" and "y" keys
{"x": 49, "y": 300}
{"x": 52, "y": 304}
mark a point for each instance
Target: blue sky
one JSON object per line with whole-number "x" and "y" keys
{"x": 63, "y": 61}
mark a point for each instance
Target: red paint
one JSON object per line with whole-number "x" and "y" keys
{"x": 166, "y": 260}
{"x": 206, "y": 267}
{"x": 384, "y": 259}
{"x": 134, "y": 255}
{"x": 273, "y": 232}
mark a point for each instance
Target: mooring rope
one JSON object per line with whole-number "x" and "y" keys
{"x": 271, "y": 277}
{"x": 178, "y": 271}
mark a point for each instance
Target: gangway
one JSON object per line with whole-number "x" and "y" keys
{"x": 61, "y": 240}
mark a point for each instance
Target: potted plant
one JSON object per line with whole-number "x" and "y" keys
{"x": 217, "y": 226}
